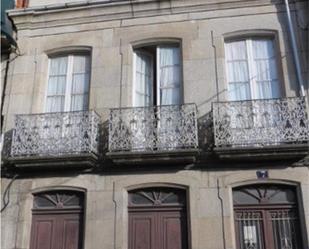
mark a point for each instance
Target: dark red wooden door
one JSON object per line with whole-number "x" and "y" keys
{"x": 57, "y": 221}
{"x": 157, "y": 230}
{"x": 142, "y": 230}
{"x": 157, "y": 219}
{"x": 55, "y": 231}
{"x": 172, "y": 230}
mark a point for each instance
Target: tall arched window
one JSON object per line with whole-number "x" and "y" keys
{"x": 57, "y": 220}
{"x": 266, "y": 217}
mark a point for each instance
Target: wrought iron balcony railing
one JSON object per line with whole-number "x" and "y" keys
{"x": 260, "y": 122}
{"x": 55, "y": 134}
{"x": 156, "y": 128}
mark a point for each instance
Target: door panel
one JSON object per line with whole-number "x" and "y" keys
{"x": 157, "y": 218}
{"x": 142, "y": 231}
{"x": 173, "y": 230}
{"x": 71, "y": 233}
{"x": 56, "y": 231}
{"x": 157, "y": 230}
{"x": 42, "y": 233}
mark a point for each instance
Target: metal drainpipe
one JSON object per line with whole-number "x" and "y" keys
{"x": 5, "y": 79}
{"x": 216, "y": 66}
{"x": 121, "y": 71}
{"x": 222, "y": 214}
{"x": 115, "y": 216}
{"x": 294, "y": 49}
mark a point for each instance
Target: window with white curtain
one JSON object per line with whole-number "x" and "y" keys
{"x": 68, "y": 83}
{"x": 251, "y": 69}
{"x": 157, "y": 75}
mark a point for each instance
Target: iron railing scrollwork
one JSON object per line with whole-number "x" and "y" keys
{"x": 261, "y": 122}
{"x": 155, "y": 128}
{"x": 55, "y": 134}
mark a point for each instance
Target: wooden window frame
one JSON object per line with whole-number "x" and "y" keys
{"x": 156, "y": 73}
{"x": 251, "y": 34}
{"x": 250, "y": 63}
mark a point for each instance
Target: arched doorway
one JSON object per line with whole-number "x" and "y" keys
{"x": 157, "y": 218}
{"x": 266, "y": 217}
{"x": 57, "y": 220}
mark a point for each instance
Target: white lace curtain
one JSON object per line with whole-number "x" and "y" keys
{"x": 168, "y": 77}
{"x": 251, "y": 69}
{"x": 68, "y": 83}
{"x": 266, "y": 69}
{"x": 80, "y": 83}
{"x": 56, "y": 84}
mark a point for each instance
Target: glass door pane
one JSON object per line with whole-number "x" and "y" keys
{"x": 265, "y": 69}
{"x": 169, "y": 76}
{"x": 56, "y": 84}
{"x": 237, "y": 71}
{"x": 285, "y": 229}
{"x": 141, "y": 124}
{"x": 80, "y": 82}
{"x": 249, "y": 225}
{"x": 143, "y": 83}
{"x": 266, "y": 86}
{"x": 169, "y": 87}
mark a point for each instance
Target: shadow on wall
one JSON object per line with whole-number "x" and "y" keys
{"x": 7, "y": 143}
{"x": 206, "y": 132}
{"x": 103, "y": 140}
{"x": 6, "y": 148}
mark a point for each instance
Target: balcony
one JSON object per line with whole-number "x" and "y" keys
{"x": 156, "y": 134}
{"x": 261, "y": 128}
{"x": 55, "y": 139}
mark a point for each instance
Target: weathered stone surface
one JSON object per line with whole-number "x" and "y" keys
{"x": 111, "y": 31}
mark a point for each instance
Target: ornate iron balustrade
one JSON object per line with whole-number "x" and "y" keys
{"x": 261, "y": 122}
{"x": 55, "y": 134}
{"x": 157, "y": 128}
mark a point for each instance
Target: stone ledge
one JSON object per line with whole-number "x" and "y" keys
{"x": 282, "y": 151}
{"x": 86, "y": 160}
{"x": 182, "y": 156}
{"x": 96, "y": 11}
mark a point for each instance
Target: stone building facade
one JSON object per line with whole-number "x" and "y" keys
{"x": 156, "y": 124}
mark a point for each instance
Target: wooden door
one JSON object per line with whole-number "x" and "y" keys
{"x": 266, "y": 217}
{"x": 57, "y": 221}
{"x": 142, "y": 230}
{"x": 157, "y": 219}
{"x": 172, "y": 230}
{"x": 55, "y": 231}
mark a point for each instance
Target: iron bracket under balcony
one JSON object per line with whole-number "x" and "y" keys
{"x": 153, "y": 135}
{"x": 63, "y": 140}
{"x": 261, "y": 129}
